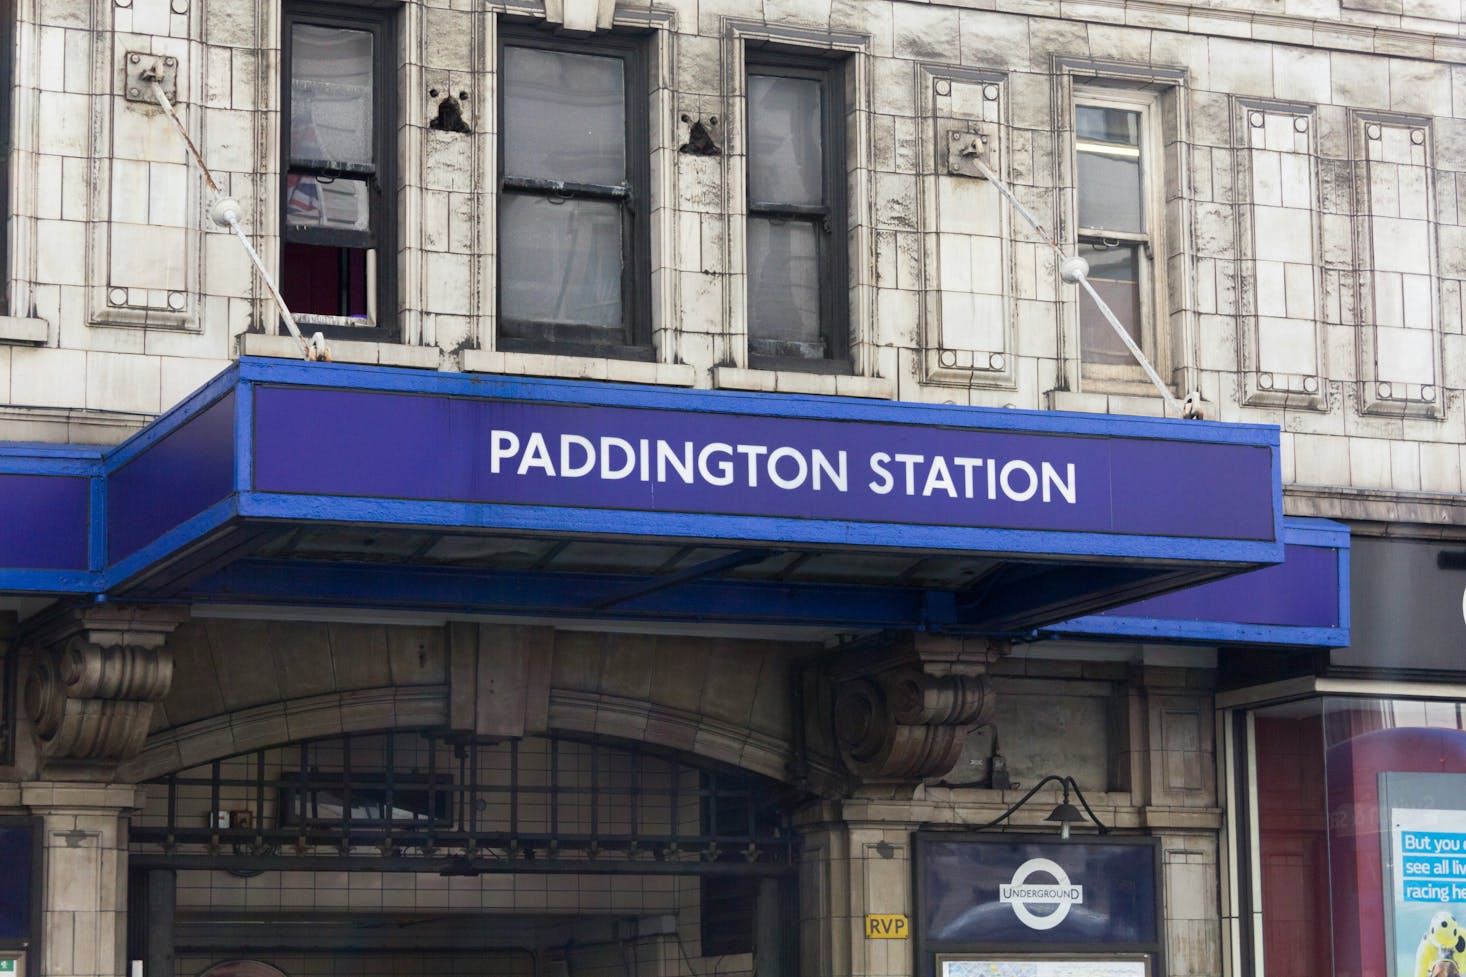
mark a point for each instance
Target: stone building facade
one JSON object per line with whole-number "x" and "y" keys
{"x": 330, "y": 725}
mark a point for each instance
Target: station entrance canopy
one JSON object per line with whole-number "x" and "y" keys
{"x": 281, "y": 483}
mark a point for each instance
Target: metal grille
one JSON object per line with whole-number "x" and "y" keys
{"x": 421, "y": 801}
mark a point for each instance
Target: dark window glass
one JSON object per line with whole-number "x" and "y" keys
{"x": 573, "y": 254}
{"x": 563, "y": 264}
{"x": 784, "y": 289}
{"x": 1094, "y": 123}
{"x": 337, "y": 115}
{"x": 796, "y": 242}
{"x": 327, "y": 281}
{"x": 1114, "y": 236}
{"x": 1110, "y": 186}
{"x": 785, "y": 155}
{"x": 1110, "y": 193}
{"x": 1114, "y": 271}
{"x": 331, "y": 97}
{"x": 564, "y": 116}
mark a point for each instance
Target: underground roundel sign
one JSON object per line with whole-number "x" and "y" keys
{"x": 1029, "y": 890}
{"x": 1041, "y": 882}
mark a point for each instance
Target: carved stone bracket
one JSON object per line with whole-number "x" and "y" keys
{"x": 902, "y": 707}
{"x": 93, "y": 678}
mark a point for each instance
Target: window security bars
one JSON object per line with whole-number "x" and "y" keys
{"x": 425, "y": 801}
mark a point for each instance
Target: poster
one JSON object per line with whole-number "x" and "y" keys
{"x": 1045, "y": 967}
{"x": 1428, "y": 890}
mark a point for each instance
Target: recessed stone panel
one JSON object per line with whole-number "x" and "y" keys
{"x": 968, "y": 317}
{"x": 1398, "y": 338}
{"x": 1282, "y": 349}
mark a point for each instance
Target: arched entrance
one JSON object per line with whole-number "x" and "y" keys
{"x": 417, "y": 852}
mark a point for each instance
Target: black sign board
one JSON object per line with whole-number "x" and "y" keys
{"x": 16, "y": 897}
{"x": 1029, "y": 893}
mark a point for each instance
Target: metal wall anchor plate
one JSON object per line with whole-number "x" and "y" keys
{"x": 141, "y": 69}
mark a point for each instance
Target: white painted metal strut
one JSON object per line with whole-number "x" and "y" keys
{"x": 224, "y": 211}
{"x": 1075, "y": 270}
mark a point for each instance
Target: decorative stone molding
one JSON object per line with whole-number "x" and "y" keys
{"x": 586, "y": 16}
{"x": 902, "y": 707}
{"x": 93, "y": 678}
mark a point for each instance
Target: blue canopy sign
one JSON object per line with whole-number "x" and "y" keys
{"x": 1006, "y": 520}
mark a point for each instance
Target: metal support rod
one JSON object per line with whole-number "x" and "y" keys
{"x": 1083, "y": 281}
{"x": 223, "y": 213}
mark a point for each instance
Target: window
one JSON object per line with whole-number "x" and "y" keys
{"x": 1348, "y": 814}
{"x": 574, "y": 251}
{"x": 1117, "y": 220}
{"x": 796, "y": 239}
{"x": 336, "y": 256}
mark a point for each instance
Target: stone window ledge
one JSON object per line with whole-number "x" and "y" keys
{"x": 1139, "y": 405}
{"x": 578, "y": 368}
{"x": 32, "y": 332}
{"x": 345, "y": 351}
{"x": 793, "y": 382}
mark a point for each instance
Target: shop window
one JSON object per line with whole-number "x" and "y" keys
{"x": 336, "y": 252}
{"x": 1292, "y": 842}
{"x": 1118, "y": 210}
{"x": 573, "y": 214}
{"x": 1358, "y": 838}
{"x": 796, "y": 237}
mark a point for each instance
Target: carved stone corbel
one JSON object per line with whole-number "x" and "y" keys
{"x": 902, "y": 707}
{"x": 94, "y": 676}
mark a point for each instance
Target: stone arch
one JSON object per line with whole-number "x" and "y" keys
{"x": 243, "y": 685}
{"x": 390, "y": 708}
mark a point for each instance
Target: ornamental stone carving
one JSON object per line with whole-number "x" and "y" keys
{"x": 903, "y": 707}
{"x": 92, "y": 681}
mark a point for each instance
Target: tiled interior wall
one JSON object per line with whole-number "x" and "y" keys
{"x": 591, "y": 897}
{"x": 397, "y": 891}
{"x": 426, "y": 963}
{"x": 647, "y": 958}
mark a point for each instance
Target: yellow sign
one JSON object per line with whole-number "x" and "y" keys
{"x": 886, "y": 926}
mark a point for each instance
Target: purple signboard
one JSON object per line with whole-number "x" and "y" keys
{"x": 1302, "y": 591}
{"x": 1301, "y": 601}
{"x": 171, "y": 480}
{"x": 403, "y": 446}
{"x": 44, "y": 521}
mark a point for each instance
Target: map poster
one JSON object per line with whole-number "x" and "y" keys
{"x": 1428, "y": 888}
{"x": 1048, "y": 966}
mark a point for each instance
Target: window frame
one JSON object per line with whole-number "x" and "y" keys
{"x": 635, "y": 198}
{"x": 1151, "y": 332}
{"x": 831, "y": 218}
{"x": 382, "y": 187}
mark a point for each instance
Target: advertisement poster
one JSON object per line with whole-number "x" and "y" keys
{"x": 1427, "y": 902}
{"x": 1049, "y": 967}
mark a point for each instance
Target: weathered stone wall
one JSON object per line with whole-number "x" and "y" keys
{"x": 1310, "y": 160}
